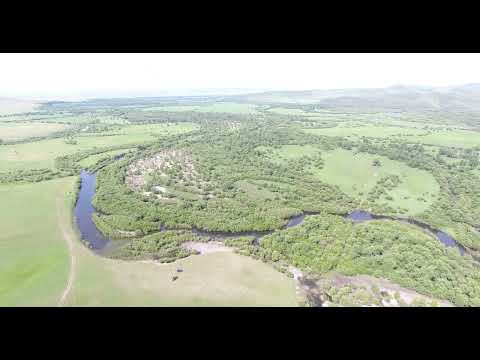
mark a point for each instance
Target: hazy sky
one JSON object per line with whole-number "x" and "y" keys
{"x": 109, "y": 75}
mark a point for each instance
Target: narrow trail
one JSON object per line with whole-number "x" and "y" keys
{"x": 67, "y": 236}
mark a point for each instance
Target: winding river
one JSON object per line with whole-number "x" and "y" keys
{"x": 96, "y": 241}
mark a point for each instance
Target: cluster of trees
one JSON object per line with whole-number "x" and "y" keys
{"x": 71, "y": 141}
{"x": 383, "y": 185}
{"x": 386, "y": 249}
{"x": 224, "y": 160}
{"x": 32, "y": 175}
{"x": 164, "y": 247}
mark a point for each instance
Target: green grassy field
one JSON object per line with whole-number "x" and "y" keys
{"x": 34, "y": 260}
{"x": 227, "y": 107}
{"x": 456, "y": 138}
{"x": 216, "y": 279}
{"x": 388, "y": 121}
{"x": 18, "y": 131}
{"x": 41, "y": 154}
{"x": 254, "y": 191}
{"x": 86, "y": 119}
{"x": 355, "y": 174}
{"x": 366, "y": 130}
{"x": 288, "y": 152}
{"x": 444, "y": 136}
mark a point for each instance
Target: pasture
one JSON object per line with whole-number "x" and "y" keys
{"x": 433, "y": 135}
{"x": 215, "y": 279}
{"x": 368, "y": 131}
{"x": 287, "y": 152}
{"x": 356, "y": 175}
{"x": 34, "y": 260}
{"x": 454, "y": 138}
{"x": 21, "y": 130}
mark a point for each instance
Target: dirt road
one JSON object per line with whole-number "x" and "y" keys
{"x": 63, "y": 224}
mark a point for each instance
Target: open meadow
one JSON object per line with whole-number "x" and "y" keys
{"x": 34, "y": 257}
{"x": 18, "y": 131}
{"x": 357, "y": 175}
{"x": 443, "y": 136}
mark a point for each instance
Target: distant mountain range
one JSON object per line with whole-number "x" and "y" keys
{"x": 453, "y": 98}
{"x": 12, "y": 106}
{"x": 465, "y": 98}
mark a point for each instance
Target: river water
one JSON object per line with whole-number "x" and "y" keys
{"x": 84, "y": 211}
{"x": 102, "y": 245}
{"x": 362, "y": 216}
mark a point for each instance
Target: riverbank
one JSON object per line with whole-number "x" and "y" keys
{"x": 93, "y": 237}
{"x": 213, "y": 279}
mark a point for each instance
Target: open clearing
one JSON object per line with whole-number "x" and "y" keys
{"x": 367, "y": 130}
{"x": 34, "y": 259}
{"x": 457, "y": 138}
{"x": 288, "y": 152}
{"x": 18, "y": 131}
{"x": 214, "y": 279}
{"x": 356, "y": 176}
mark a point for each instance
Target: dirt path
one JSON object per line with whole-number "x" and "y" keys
{"x": 201, "y": 247}
{"x": 68, "y": 237}
{"x": 206, "y": 248}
